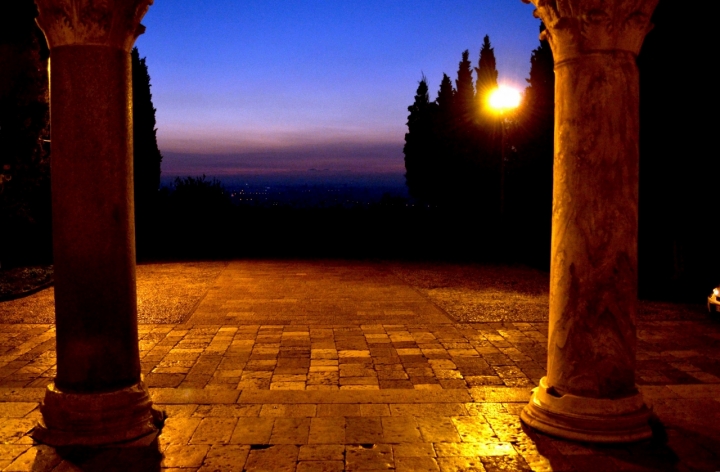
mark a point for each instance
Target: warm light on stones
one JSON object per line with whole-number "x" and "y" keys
{"x": 504, "y": 98}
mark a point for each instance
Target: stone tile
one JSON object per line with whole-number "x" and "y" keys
{"x": 12, "y": 429}
{"x": 178, "y": 431}
{"x": 288, "y": 410}
{"x": 416, "y": 464}
{"x": 427, "y": 409}
{"x": 178, "y": 411}
{"x": 514, "y": 463}
{"x": 438, "y": 429}
{"x": 290, "y": 431}
{"x": 322, "y": 452}
{"x": 473, "y": 429}
{"x": 370, "y": 457}
{"x": 400, "y": 429}
{"x": 324, "y": 410}
{"x": 197, "y": 396}
{"x": 225, "y": 458}
{"x": 374, "y": 410}
{"x": 214, "y": 431}
{"x": 181, "y": 456}
{"x": 231, "y": 410}
{"x": 327, "y": 430}
{"x": 10, "y": 452}
{"x": 469, "y": 449}
{"x": 415, "y": 449}
{"x": 363, "y": 430}
{"x": 460, "y": 464}
{"x": 38, "y": 458}
{"x": 16, "y": 409}
{"x": 277, "y": 458}
{"x": 249, "y": 430}
{"x": 320, "y": 466}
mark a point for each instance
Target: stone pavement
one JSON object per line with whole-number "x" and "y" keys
{"x": 329, "y": 366}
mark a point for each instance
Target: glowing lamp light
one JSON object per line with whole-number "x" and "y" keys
{"x": 504, "y": 98}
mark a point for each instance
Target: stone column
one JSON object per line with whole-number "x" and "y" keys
{"x": 98, "y": 396}
{"x": 589, "y": 393}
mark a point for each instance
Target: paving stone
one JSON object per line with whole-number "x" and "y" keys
{"x": 182, "y": 456}
{"x": 415, "y": 449}
{"x": 474, "y": 429}
{"x": 12, "y": 429}
{"x": 369, "y": 457}
{"x": 249, "y": 430}
{"x": 10, "y": 452}
{"x": 363, "y": 430}
{"x": 327, "y": 430}
{"x": 416, "y": 464}
{"x": 460, "y": 464}
{"x": 474, "y": 449}
{"x": 178, "y": 430}
{"x": 277, "y": 458}
{"x": 16, "y": 409}
{"x": 320, "y": 466}
{"x": 322, "y": 452}
{"x": 214, "y": 431}
{"x": 290, "y": 431}
{"x": 225, "y": 458}
{"x": 38, "y": 458}
{"x": 302, "y": 410}
{"x": 438, "y": 429}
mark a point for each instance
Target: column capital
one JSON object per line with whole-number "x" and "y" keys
{"x": 111, "y": 23}
{"x": 578, "y": 27}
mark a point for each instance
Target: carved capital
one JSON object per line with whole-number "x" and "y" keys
{"x": 112, "y": 23}
{"x": 577, "y": 27}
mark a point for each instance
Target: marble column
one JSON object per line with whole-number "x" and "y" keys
{"x": 589, "y": 393}
{"x": 98, "y": 396}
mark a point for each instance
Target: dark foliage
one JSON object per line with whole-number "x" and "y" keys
{"x": 451, "y": 150}
{"x": 147, "y": 156}
{"x": 679, "y": 192}
{"x": 510, "y": 202}
{"x": 24, "y": 133}
{"x": 529, "y": 172}
{"x": 419, "y": 147}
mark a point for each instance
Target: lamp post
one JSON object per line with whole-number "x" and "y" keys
{"x": 502, "y": 101}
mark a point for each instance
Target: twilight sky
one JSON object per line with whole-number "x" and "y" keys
{"x": 311, "y": 87}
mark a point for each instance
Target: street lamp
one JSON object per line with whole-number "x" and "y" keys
{"x": 502, "y": 101}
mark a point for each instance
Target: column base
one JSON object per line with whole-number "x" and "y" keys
{"x": 588, "y": 419}
{"x": 120, "y": 418}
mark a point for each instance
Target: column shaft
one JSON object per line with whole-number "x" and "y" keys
{"x": 593, "y": 282}
{"x": 93, "y": 229}
{"x": 589, "y": 392}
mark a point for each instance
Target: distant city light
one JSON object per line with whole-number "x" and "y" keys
{"x": 504, "y": 98}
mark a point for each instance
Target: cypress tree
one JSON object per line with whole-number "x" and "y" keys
{"x": 529, "y": 184}
{"x": 487, "y": 74}
{"x": 488, "y": 135}
{"x": 147, "y": 157}
{"x": 444, "y": 133}
{"x": 418, "y": 145}
{"x": 465, "y": 95}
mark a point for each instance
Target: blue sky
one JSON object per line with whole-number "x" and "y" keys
{"x": 280, "y": 87}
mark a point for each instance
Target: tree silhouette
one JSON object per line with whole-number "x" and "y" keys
{"x": 486, "y": 73}
{"x": 147, "y": 156}
{"x": 419, "y": 144}
{"x": 488, "y": 134}
{"x": 24, "y": 133}
{"x": 529, "y": 180}
{"x": 464, "y": 102}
